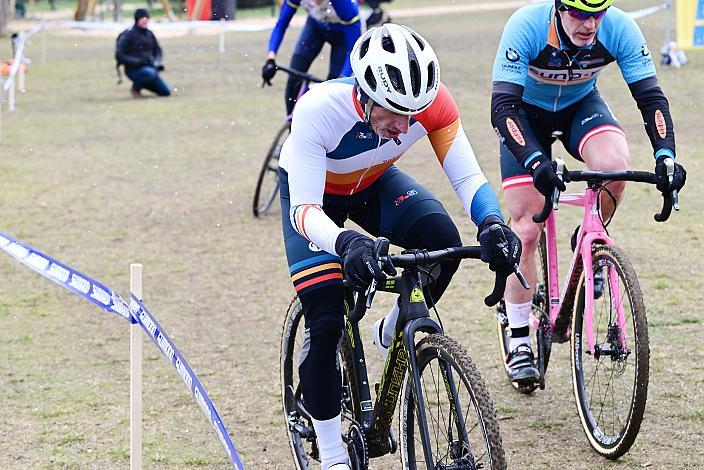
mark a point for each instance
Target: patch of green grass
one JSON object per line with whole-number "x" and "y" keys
{"x": 506, "y": 410}
{"x": 120, "y": 453}
{"x": 196, "y": 461}
{"x": 21, "y": 339}
{"x": 69, "y": 439}
{"x": 662, "y": 284}
{"x": 661, "y": 323}
{"x": 697, "y": 415}
{"x": 545, "y": 425}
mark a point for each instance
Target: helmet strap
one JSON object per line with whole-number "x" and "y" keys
{"x": 561, "y": 30}
{"x": 366, "y": 103}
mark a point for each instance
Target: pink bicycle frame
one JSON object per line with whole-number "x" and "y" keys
{"x": 590, "y": 232}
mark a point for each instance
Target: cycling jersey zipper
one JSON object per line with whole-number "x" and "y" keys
{"x": 376, "y": 155}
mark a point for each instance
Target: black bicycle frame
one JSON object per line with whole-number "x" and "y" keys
{"x": 413, "y": 317}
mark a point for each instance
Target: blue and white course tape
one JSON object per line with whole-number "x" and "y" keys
{"x": 136, "y": 312}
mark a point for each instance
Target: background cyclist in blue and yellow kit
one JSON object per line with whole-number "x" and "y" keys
{"x": 329, "y": 21}
{"x": 545, "y": 88}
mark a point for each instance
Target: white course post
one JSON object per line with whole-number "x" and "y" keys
{"x": 20, "y": 74}
{"x": 136, "y": 375}
{"x": 221, "y": 47}
{"x": 11, "y": 95}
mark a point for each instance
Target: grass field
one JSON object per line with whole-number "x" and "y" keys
{"x": 99, "y": 180}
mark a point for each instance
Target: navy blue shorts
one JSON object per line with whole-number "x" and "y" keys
{"x": 389, "y": 207}
{"x": 576, "y": 123}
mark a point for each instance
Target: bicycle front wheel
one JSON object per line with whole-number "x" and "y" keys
{"x": 268, "y": 181}
{"x": 460, "y": 416}
{"x": 611, "y": 381}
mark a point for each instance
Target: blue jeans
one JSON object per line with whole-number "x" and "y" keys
{"x": 148, "y": 77}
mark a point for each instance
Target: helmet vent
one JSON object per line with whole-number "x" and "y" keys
{"x": 420, "y": 42}
{"x": 415, "y": 77}
{"x": 364, "y": 48}
{"x": 388, "y": 44}
{"x": 369, "y": 78}
{"x": 396, "y": 79}
{"x": 431, "y": 76}
{"x": 397, "y": 106}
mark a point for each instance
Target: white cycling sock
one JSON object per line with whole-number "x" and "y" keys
{"x": 389, "y": 328}
{"x": 332, "y": 450}
{"x": 518, "y": 318}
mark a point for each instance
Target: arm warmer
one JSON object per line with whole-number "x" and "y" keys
{"x": 288, "y": 9}
{"x": 656, "y": 115}
{"x": 505, "y": 103}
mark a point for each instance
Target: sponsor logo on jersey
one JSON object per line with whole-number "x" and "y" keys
{"x": 313, "y": 247}
{"x": 660, "y": 124}
{"x": 644, "y": 50}
{"x": 515, "y": 132}
{"x": 364, "y": 135}
{"x": 565, "y": 76}
{"x": 400, "y": 199}
{"x": 512, "y": 55}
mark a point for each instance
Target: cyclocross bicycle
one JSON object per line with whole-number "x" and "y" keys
{"x": 446, "y": 417}
{"x": 268, "y": 181}
{"x": 608, "y": 330}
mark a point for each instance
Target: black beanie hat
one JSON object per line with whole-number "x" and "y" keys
{"x": 140, "y": 13}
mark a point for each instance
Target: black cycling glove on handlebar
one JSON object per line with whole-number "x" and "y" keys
{"x": 501, "y": 247}
{"x": 678, "y": 178}
{"x": 358, "y": 260}
{"x": 268, "y": 71}
{"x": 545, "y": 179}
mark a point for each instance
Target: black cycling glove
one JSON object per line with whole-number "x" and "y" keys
{"x": 678, "y": 178}
{"x": 268, "y": 71}
{"x": 358, "y": 262}
{"x": 545, "y": 179}
{"x": 501, "y": 247}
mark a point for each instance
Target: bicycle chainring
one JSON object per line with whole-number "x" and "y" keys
{"x": 357, "y": 448}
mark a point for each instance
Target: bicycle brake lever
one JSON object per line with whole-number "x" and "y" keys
{"x": 369, "y": 293}
{"x": 559, "y": 171}
{"x": 503, "y": 246}
{"x": 381, "y": 249}
{"x": 670, "y": 165}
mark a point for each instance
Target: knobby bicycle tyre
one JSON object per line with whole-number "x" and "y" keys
{"x": 543, "y": 341}
{"x": 611, "y": 382}
{"x": 483, "y": 447}
{"x": 299, "y": 428}
{"x": 268, "y": 180}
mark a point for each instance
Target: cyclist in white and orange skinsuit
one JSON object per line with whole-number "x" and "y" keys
{"x": 338, "y": 164}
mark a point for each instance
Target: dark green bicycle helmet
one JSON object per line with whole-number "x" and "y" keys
{"x": 586, "y": 5}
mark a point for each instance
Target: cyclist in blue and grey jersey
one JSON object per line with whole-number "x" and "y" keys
{"x": 544, "y": 88}
{"x": 333, "y": 21}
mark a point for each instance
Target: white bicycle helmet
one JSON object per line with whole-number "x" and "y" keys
{"x": 396, "y": 68}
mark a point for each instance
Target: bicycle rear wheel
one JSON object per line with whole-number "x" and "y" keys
{"x": 543, "y": 341}
{"x": 611, "y": 382}
{"x": 299, "y": 426}
{"x": 268, "y": 181}
{"x": 460, "y": 415}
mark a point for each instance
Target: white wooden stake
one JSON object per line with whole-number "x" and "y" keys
{"x": 20, "y": 72}
{"x": 136, "y": 375}
{"x": 11, "y": 96}
{"x": 221, "y": 47}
